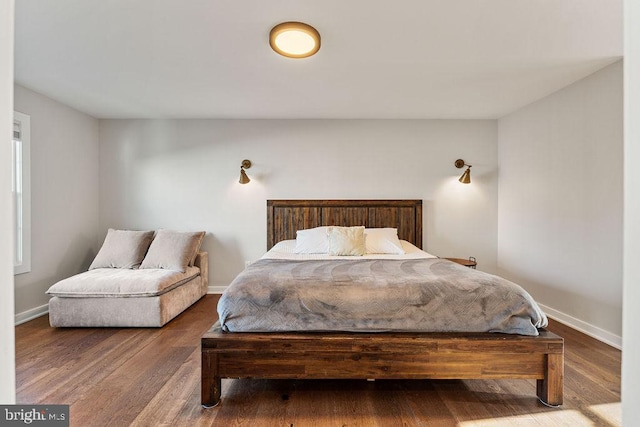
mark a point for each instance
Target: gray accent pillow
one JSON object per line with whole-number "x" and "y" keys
{"x": 173, "y": 250}
{"x": 122, "y": 249}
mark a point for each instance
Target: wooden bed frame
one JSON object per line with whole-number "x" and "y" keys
{"x": 297, "y": 355}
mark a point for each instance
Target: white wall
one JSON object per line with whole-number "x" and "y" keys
{"x": 183, "y": 174}
{"x": 631, "y": 347}
{"x": 64, "y": 195}
{"x": 560, "y": 205}
{"x": 7, "y": 342}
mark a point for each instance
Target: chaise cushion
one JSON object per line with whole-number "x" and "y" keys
{"x": 173, "y": 250}
{"x": 121, "y": 283}
{"x": 122, "y": 249}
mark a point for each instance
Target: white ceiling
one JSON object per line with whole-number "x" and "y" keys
{"x": 379, "y": 59}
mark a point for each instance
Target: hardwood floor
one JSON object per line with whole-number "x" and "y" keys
{"x": 151, "y": 377}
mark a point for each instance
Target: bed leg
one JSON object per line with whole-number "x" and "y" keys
{"x": 211, "y": 383}
{"x": 550, "y": 389}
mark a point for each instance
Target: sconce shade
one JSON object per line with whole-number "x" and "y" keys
{"x": 244, "y": 179}
{"x": 466, "y": 177}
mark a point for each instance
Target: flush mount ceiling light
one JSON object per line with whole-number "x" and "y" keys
{"x": 294, "y": 39}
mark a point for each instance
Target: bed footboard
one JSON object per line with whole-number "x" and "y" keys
{"x": 382, "y": 356}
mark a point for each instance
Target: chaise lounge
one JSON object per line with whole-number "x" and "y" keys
{"x": 138, "y": 279}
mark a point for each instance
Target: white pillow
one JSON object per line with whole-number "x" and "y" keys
{"x": 382, "y": 241}
{"x": 346, "y": 241}
{"x": 312, "y": 241}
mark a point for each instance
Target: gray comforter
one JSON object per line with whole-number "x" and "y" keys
{"x": 425, "y": 295}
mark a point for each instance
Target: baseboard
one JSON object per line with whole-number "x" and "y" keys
{"x": 25, "y": 316}
{"x": 216, "y": 289}
{"x": 584, "y": 327}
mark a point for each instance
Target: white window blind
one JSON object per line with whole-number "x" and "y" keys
{"x": 16, "y": 130}
{"x": 22, "y": 192}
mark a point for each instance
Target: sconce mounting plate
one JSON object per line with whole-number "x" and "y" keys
{"x": 459, "y": 163}
{"x": 246, "y": 164}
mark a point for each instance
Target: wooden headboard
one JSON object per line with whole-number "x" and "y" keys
{"x": 285, "y": 217}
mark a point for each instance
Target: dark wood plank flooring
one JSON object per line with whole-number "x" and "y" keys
{"x": 151, "y": 377}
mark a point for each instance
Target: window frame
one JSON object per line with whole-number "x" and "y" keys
{"x": 21, "y": 146}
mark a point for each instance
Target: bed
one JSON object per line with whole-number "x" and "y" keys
{"x": 374, "y": 355}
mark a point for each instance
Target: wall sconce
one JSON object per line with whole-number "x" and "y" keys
{"x": 466, "y": 176}
{"x": 244, "y": 179}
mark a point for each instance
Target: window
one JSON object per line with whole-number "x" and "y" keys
{"x": 21, "y": 187}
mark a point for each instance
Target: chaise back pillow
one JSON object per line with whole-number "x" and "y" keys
{"x": 122, "y": 249}
{"x": 173, "y": 250}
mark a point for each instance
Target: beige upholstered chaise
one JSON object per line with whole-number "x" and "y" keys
{"x": 126, "y": 310}
{"x": 133, "y": 283}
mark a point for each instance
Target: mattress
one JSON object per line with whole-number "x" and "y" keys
{"x": 415, "y": 292}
